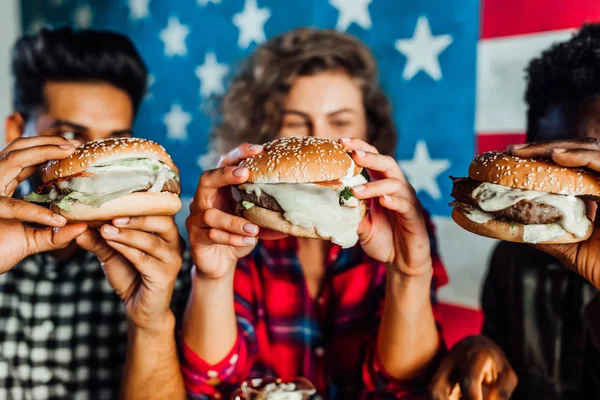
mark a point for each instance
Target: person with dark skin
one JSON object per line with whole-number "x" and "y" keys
{"x": 535, "y": 309}
{"x": 79, "y": 307}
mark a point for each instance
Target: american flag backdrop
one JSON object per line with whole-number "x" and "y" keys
{"x": 453, "y": 70}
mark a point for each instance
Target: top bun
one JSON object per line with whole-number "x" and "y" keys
{"x": 105, "y": 151}
{"x": 301, "y": 160}
{"x": 542, "y": 175}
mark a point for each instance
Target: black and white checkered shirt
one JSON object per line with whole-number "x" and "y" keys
{"x": 63, "y": 331}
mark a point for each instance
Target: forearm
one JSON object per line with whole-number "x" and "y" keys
{"x": 209, "y": 327}
{"x": 152, "y": 367}
{"x": 408, "y": 337}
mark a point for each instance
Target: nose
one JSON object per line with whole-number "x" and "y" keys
{"x": 320, "y": 129}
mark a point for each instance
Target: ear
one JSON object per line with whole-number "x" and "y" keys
{"x": 14, "y": 127}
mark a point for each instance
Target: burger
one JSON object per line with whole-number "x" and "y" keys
{"x": 524, "y": 200}
{"x": 301, "y": 186}
{"x": 111, "y": 178}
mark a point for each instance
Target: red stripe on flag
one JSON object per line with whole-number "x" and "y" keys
{"x": 497, "y": 141}
{"x": 517, "y": 17}
{"x": 458, "y": 322}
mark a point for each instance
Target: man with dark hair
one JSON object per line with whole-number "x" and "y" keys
{"x": 563, "y": 89}
{"x": 535, "y": 309}
{"x": 77, "y": 318}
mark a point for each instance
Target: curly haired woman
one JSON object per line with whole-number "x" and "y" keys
{"x": 356, "y": 322}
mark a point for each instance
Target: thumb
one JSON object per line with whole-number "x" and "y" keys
{"x": 505, "y": 386}
{"x": 47, "y": 239}
{"x": 91, "y": 240}
{"x": 477, "y": 369}
{"x": 373, "y": 211}
{"x": 119, "y": 272}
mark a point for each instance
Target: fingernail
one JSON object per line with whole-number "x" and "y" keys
{"x": 110, "y": 230}
{"x": 359, "y": 188}
{"x": 66, "y": 146}
{"x": 250, "y": 228}
{"x": 360, "y": 153}
{"x": 560, "y": 150}
{"x": 59, "y": 218}
{"x": 255, "y": 147}
{"x": 386, "y": 197}
{"x": 249, "y": 240}
{"x": 517, "y": 146}
{"x": 240, "y": 172}
{"x": 75, "y": 143}
{"x": 121, "y": 221}
{"x": 345, "y": 139}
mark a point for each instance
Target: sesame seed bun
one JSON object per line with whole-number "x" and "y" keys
{"x": 508, "y": 231}
{"x": 300, "y": 160}
{"x": 275, "y": 221}
{"x": 105, "y": 151}
{"x": 541, "y": 175}
{"x": 132, "y": 205}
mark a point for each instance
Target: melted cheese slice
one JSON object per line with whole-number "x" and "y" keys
{"x": 491, "y": 197}
{"x": 312, "y": 205}
{"x": 116, "y": 178}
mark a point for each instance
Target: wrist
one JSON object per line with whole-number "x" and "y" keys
{"x": 209, "y": 281}
{"x": 410, "y": 290}
{"x": 416, "y": 275}
{"x": 215, "y": 275}
{"x": 210, "y": 292}
{"x": 156, "y": 326}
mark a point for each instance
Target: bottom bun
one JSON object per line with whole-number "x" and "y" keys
{"x": 136, "y": 204}
{"x": 509, "y": 231}
{"x": 275, "y": 221}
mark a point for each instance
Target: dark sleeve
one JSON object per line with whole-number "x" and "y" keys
{"x": 591, "y": 370}
{"x": 182, "y": 289}
{"x": 495, "y": 297}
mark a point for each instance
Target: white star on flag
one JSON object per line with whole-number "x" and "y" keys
{"x": 211, "y": 75}
{"x": 173, "y": 36}
{"x": 177, "y": 121}
{"x": 83, "y": 16}
{"x": 422, "y": 51}
{"x": 251, "y": 23}
{"x": 205, "y": 2}
{"x": 422, "y": 171}
{"x": 208, "y": 161}
{"x": 138, "y": 9}
{"x": 356, "y": 11}
{"x": 150, "y": 83}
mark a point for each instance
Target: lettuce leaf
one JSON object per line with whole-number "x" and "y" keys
{"x": 95, "y": 200}
{"x": 247, "y": 205}
{"x": 34, "y": 197}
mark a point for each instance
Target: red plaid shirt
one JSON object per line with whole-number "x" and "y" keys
{"x": 285, "y": 333}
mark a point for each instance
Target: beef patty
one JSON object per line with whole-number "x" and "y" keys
{"x": 264, "y": 201}
{"x": 172, "y": 186}
{"x": 524, "y": 212}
